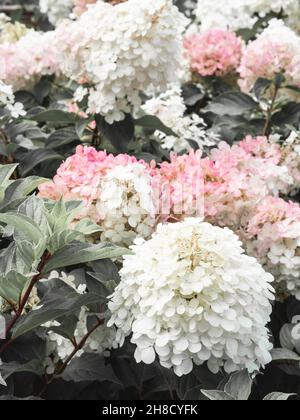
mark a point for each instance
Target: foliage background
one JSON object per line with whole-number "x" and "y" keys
{"x": 39, "y": 144}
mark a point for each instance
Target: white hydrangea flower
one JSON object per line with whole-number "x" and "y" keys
{"x": 7, "y": 99}
{"x": 139, "y": 48}
{"x": 56, "y": 10}
{"x": 191, "y": 295}
{"x": 240, "y": 14}
{"x": 126, "y": 205}
{"x": 6, "y": 94}
{"x": 169, "y": 107}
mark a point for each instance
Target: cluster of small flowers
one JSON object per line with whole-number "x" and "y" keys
{"x": 169, "y": 107}
{"x": 241, "y": 14}
{"x": 7, "y": 99}
{"x": 10, "y": 32}
{"x": 25, "y": 61}
{"x": 272, "y": 235}
{"x": 132, "y": 52}
{"x": 227, "y": 183}
{"x": 215, "y": 52}
{"x": 275, "y": 51}
{"x": 290, "y": 157}
{"x": 59, "y": 348}
{"x": 190, "y": 295}
{"x": 127, "y": 198}
{"x": 116, "y": 192}
{"x": 56, "y": 10}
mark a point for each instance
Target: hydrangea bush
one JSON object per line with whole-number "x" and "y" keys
{"x": 150, "y": 200}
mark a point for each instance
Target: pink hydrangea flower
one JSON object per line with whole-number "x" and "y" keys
{"x": 272, "y": 236}
{"x": 23, "y": 63}
{"x": 80, "y": 6}
{"x": 276, "y": 50}
{"x": 216, "y": 52}
{"x": 78, "y": 178}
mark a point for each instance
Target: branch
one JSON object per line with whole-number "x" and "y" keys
{"x": 24, "y": 300}
{"x": 77, "y": 347}
{"x": 270, "y": 111}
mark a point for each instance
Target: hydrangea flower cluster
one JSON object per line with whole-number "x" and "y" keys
{"x": 7, "y": 99}
{"x": 276, "y": 50}
{"x": 215, "y": 52}
{"x": 224, "y": 186}
{"x": 116, "y": 191}
{"x": 56, "y": 10}
{"x": 241, "y": 14}
{"x": 190, "y": 295}
{"x": 272, "y": 236}
{"x": 25, "y": 61}
{"x": 10, "y": 32}
{"x": 132, "y": 52}
{"x": 169, "y": 107}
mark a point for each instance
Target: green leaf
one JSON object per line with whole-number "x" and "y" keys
{"x": 23, "y": 224}
{"x": 33, "y": 366}
{"x": 239, "y": 386}
{"x": 120, "y": 133}
{"x": 55, "y": 116}
{"x": 217, "y": 395}
{"x": 261, "y": 86}
{"x": 154, "y": 123}
{"x": 18, "y": 190}
{"x": 104, "y": 279}
{"x": 289, "y": 114}
{"x": 36, "y": 157}
{"x": 90, "y": 368}
{"x": 12, "y": 285}
{"x": 192, "y": 94}
{"x": 42, "y": 89}
{"x": 278, "y": 396}
{"x": 284, "y": 355}
{"x": 232, "y": 103}
{"x": 5, "y": 173}
{"x": 79, "y": 253}
{"x": 87, "y": 227}
{"x": 52, "y": 308}
{"x": 81, "y": 126}
{"x": 33, "y": 207}
{"x": 67, "y": 326}
{"x": 62, "y": 137}
{"x": 61, "y": 239}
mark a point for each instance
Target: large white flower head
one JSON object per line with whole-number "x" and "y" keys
{"x": 126, "y": 205}
{"x": 169, "y": 107}
{"x": 239, "y": 14}
{"x": 191, "y": 295}
{"x": 56, "y": 10}
{"x": 121, "y": 50}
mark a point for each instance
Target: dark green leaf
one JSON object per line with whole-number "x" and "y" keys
{"x": 53, "y": 307}
{"x": 79, "y": 252}
{"x": 232, "y": 103}
{"x": 154, "y": 123}
{"x": 90, "y": 368}
{"x": 36, "y": 157}
{"x": 120, "y": 134}
{"x": 55, "y": 116}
